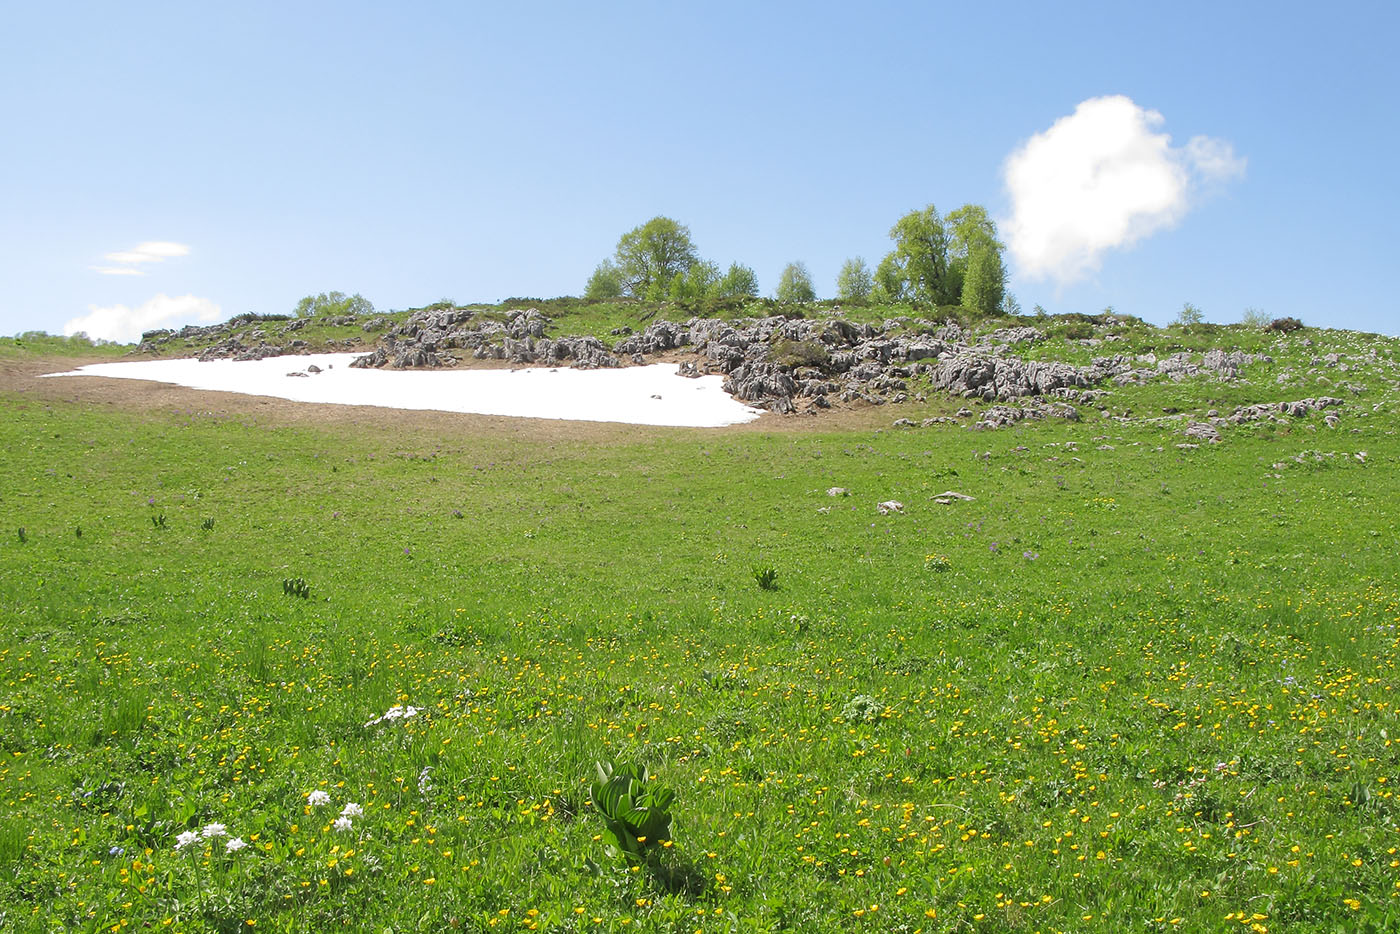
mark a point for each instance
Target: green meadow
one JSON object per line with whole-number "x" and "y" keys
{"x": 1129, "y": 685}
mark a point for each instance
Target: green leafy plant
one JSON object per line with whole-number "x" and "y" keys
{"x": 862, "y": 709}
{"x": 158, "y": 521}
{"x": 766, "y": 578}
{"x": 208, "y": 524}
{"x": 22, "y": 536}
{"x": 296, "y": 587}
{"x": 636, "y": 813}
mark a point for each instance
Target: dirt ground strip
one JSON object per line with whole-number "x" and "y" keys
{"x": 21, "y": 378}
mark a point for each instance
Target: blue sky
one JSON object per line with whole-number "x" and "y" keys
{"x": 419, "y": 151}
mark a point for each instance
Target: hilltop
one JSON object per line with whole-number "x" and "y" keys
{"x": 927, "y": 368}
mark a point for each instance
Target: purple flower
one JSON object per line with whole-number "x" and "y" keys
{"x": 1029, "y": 555}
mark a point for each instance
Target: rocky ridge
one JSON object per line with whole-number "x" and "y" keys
{"x": 791, "y": 363}
{"x": 246, "y": 337}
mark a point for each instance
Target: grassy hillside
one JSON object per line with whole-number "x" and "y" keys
{"x": 1128, "y": 686}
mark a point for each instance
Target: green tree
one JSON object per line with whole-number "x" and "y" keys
{"x": 795, "y": 285}
{"x": 1189, "y": 314}
{"x": 1009, "y": 306}
{"x": 854, "y": 283}
{"x": 334, "y": 303}
{"x": 1254, "y": 318}
{"x": 650, "y": 256}
{"x": 889, "y": 282}
{"x": 975, "y": 259}
{"x": 696, "y": 282}
{"x": 920, "y": 259}
{"x": 739, "y": 280}
{"x": 984, "y": 282}
{"x": 606, "y": 281}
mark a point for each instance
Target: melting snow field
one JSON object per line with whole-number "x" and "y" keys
{"x": 638, "y": 395}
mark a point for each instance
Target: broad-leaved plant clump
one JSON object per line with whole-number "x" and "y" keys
{"x": 636, "y": 813}
{"x": 296, "y": 587}
{"x": 862, "y": 709}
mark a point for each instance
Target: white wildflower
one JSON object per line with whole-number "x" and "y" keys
{"x": 214, "y": 831}
{"x": 352, "y": 810}
{"x": 343, "y": 823}
{"x": 396, "y": 712}
{"x": 318, "y": 798}
{"x": 187, "y": 839}
{"x": 425, "y": 784}
{"x": 234, "y": 845}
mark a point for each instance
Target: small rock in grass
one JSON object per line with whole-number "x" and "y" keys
{"x": 1201, "y": 431}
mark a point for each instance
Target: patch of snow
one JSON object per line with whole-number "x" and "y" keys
{"x": 637, "y": 395}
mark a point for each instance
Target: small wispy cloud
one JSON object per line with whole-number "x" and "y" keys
{"x": 1103, "y": 178}
{"x": 124, "y": 325}
{"x": 129, "y": 261}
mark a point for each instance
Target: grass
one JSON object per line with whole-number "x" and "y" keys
{"x": 1129, "y": 687}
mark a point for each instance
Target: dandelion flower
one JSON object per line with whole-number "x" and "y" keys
{"x": 214, "y": 831}
{"x": 352, "y": 810}
{"x": 234, "y": 845}
{"x": 187, "y": 839}
{"x": 318, "y": 798}
{"x": 343, "y": 823}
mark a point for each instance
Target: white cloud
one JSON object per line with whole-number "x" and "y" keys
{"x": 1102, "y": 178}
{"x": 152, "y": 251}
{"x": 124, "y": 325}
{"x": 1215, "y": 159}
{"x": 118, "y": 270}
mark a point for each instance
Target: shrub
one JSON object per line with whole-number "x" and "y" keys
{"x": 1254, "y": 318}
{"x": 799, "y": 353}
{"x": 1284, "y": 325}
{"x": 1189, "y": 314}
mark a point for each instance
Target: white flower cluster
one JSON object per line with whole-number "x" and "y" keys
{"x": 213, "y": 831}
{"x": 396, "y": 712}
{"x": 344, "y": 821}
